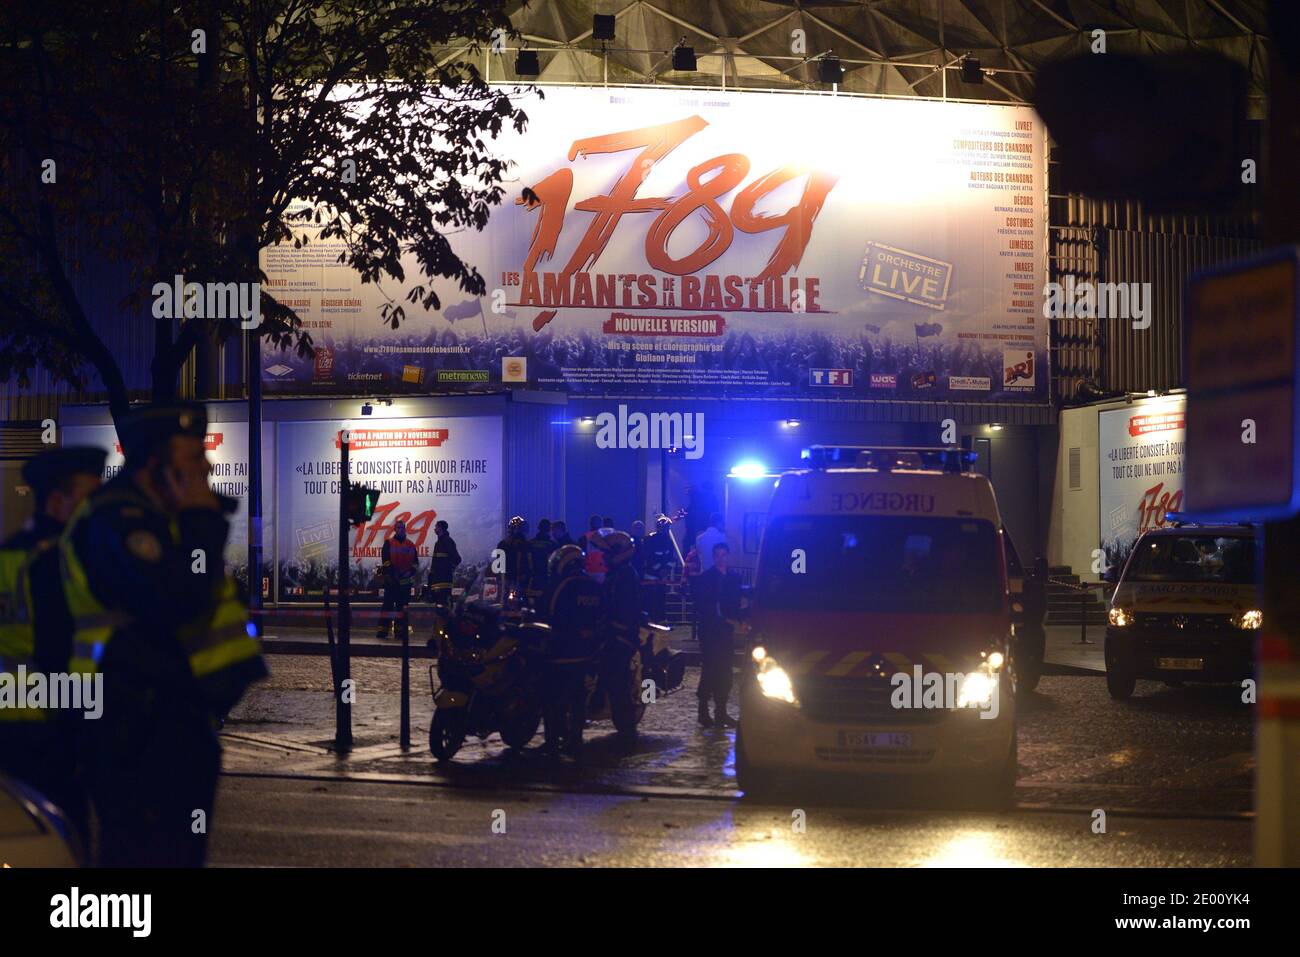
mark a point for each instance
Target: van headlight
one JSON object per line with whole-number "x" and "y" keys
{"x": 1251, "y": 620}
{"x": 977, "y": 690}
{"x": 1120, "y": 618}
{"x": 773, "y": 680}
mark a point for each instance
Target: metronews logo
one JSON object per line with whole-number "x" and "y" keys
{"x": 657, "y": 430}
{"x": 75, "y": 910}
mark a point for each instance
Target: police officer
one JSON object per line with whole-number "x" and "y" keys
{"x": 540, "y": 548}
{"x": 155, "y": 614}
{"x": 36, "y": 744}
{"x": 400, "y": 561}
{"x": 622, "y": 604}
{"x": 518, "y": 555}
{"x": 443, "y": 565}
{"x": 716, "y": 595}
{"x": 571, "y": 605}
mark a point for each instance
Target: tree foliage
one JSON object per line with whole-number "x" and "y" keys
{"x": 188, "y": 135}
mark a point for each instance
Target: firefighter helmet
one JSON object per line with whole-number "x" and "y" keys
{"x": 617, "y": 547}
{"x": 564, "y": 561}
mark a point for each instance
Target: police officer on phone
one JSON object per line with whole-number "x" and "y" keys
{"x": 155, "y": 615}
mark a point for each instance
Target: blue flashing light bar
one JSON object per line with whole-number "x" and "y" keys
{"x": 888, "y": 457}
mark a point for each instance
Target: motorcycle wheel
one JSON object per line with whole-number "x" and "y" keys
{"x": 519, "y": 723}
{"x": 447, "y": 732}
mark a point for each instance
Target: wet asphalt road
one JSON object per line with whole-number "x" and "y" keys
{"x": 294, "y": 822}
{"x": 1171, "y": 768}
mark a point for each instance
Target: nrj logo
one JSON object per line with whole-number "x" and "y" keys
{"x": 209, "y": 300}
{"x": 935, "y": 690}
{"x": 655, "y": 430}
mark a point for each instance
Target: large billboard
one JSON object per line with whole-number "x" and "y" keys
{"x": 427, "y": 470}
{"x": 718, "y": 244}
{"x": 1141, "y": 451}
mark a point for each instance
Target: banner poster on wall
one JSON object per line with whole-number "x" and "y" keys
{"x": 227, "y": 451}
{"x": 1141, "y": 452}
{"x": 717, "y": 244}
{"x": 427, "y": 470}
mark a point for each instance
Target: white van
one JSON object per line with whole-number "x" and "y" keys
{"x": 1186, "y": 608}
{"x": 881, "y": 625}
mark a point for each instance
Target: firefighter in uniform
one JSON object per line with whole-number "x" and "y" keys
{"x": 443, "y": 565}
{"x": 36, "y": 744}
{"x": 572, "y": 607}
{"x": 157, "y": 617}
{"x": 540, "y": 548}
{"x": 622, "y": 605}
{"x": 399, "y": 569}
{"x": 518, "y": 555}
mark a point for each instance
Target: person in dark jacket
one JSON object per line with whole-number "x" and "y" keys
{"x": 716, "y": 594}
{"x": 540, "y": 546}
{"x": 399, "y": 570}
{"x": 518, "y": 556}
{"x": 560, "y": 534}
{"x": 572, "y": 606}
{"x": 622, "y": 639}
{"x": 442, "y": 567}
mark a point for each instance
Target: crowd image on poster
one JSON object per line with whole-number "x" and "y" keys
{"x": 1141, "y": 455}
{"x": 726, "y": 244}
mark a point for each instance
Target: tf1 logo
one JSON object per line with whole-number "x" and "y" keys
{"x": 839, "y": 378}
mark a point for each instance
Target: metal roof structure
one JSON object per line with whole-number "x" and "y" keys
{"x": 886, "y": 47}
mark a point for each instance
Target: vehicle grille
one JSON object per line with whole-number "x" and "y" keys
{"x": 1166, "y": 621}
{"x": 859, "y": 700}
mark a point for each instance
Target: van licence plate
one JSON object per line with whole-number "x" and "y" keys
{"x": 875, "y": 739}
{"x": 1181, "y": 664}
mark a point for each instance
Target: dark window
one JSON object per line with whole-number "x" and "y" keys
{"x": 881, "y": 564}
{"x": 1226, "y": 560}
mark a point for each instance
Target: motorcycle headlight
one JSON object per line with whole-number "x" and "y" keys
{"x": 977, "y": 690}
{"x": 1120, "y": 618}
{"x": 1250, "y": 620}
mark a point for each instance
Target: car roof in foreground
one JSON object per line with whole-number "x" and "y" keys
{"x": 1219, "y": 531}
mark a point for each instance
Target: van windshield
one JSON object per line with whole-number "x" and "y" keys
{"x": 1226, "y": 560}
{"x": 880, "y": 564}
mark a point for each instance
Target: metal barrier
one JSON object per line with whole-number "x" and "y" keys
{"x": 1083, "y": 588}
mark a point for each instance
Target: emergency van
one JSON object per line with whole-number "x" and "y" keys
{"x": 1185, "y": 608}
{"x": 880, "y": 626}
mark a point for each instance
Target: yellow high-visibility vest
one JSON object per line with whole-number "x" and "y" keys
{"x": 212, "y": 644}
{"x": 17, "y": 634}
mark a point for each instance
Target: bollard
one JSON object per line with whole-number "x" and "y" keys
{"x": 404, "y": 734}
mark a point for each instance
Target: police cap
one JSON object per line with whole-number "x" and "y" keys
{"x": 44, "y": 472}
{"x": 141, "y": 430}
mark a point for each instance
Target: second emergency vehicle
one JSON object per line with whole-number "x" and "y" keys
{"x": 881, "y": 626}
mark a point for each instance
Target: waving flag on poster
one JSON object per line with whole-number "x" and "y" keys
{"x": 925, "y": 329}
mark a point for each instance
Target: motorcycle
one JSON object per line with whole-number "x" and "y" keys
{"x": 489, "y": 677}
{"x": 620, "y": 693}
{"x": 664, "y": 666}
